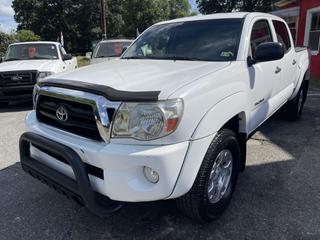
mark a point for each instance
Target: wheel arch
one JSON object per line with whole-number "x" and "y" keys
{"x": 230, "y": 113}
{"x": 233, "y": 117}
{"x": 304, "y": 75}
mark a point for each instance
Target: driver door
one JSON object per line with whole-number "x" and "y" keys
{"x": 67, "y": 63}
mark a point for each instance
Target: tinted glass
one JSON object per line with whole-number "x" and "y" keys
{"x": 31, "y": 52}
{"x": 260, "y": 34}
{"x": 110, "y": 49}
{"x": 207, "y": 40}
{"x": 282, "y": 34}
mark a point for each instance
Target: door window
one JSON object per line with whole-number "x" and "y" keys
{"x": 292, "y": 22}
{"x": 260, "y": 34}
{"x": 282, "y": 34}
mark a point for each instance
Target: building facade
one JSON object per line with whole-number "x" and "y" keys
{"x": 303, "y": 18}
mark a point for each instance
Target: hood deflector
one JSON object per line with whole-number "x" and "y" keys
{"x": 108, "y": 92}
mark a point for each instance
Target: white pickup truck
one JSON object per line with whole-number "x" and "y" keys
{"x": 26, "y": 63}
{"x": 109, "y": 50}
{"x": 171, "y": 118}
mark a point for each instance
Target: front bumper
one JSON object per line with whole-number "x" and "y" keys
{"x": 15, "y": 93}
{"x": 78, "y": 189}
{"x": 122, "y": 165}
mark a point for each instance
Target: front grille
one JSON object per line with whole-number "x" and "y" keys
{"x": 80, "y": 117}
{"x": 18, "y": 78}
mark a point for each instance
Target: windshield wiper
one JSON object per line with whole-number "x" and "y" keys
{"x": 12, "y": 59}
{"x": 107, "y": 56}
{"x": 41, "y": 58}
{"x": 134, "y": 57}
{"x": 182, "y": 58}
{"x": 166, "y": 58}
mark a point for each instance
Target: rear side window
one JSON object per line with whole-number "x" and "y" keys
{"x": 282, "y": 34}
{"x": 260, "y": 34}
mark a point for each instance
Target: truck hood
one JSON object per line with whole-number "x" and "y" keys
{"x": 143, "y": 75}
{"x": 21, "y": 65}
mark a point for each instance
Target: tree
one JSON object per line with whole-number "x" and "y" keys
{"x": 215, "y": 6}
{"x": 79, "y": 20}
{"x": 256, "y": 5}
{"x": 5, "y": 41}
{"x": 25, "y": 36}
{"x": 218, "y": 6}
{"x": 179, "y": 8}
{"x": 141, "y": 14}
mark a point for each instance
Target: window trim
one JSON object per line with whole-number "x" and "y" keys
{"x": 288, "y": 33}
{"x": 310, "y": 12}
{"x": 249, "y": 54}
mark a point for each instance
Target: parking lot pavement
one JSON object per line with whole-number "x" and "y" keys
{"x": 277, "y": 197}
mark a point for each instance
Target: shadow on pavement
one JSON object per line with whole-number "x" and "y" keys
{"x": 277, "y": 197}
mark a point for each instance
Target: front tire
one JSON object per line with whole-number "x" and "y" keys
{"x": 214, "y": 185}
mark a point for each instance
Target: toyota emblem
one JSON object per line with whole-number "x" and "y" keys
{"x": 62, "y": 114}
{"x": 16, "y": 78}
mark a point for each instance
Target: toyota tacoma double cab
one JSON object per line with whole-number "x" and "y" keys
{"x": 26, "y": 63}
{"x": 171, "y": 118}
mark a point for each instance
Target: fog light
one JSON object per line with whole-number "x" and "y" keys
{"x": 150, "y": 174}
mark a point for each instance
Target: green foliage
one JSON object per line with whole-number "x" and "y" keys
{"x": 218, "y": 6}
{"x": 25, "y": 36}
{"x": 80, "y": 20}
{"x": 215, "y": 6}
{"x": 5, "y": 41}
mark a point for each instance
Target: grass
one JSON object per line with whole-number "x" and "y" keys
{"x": 83, "y": 61}
{"x": 315, "y": 82}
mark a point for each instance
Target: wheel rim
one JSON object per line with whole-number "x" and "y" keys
{"x": 220, "y": 176}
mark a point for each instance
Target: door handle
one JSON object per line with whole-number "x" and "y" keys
{"x": 294, "y": 62}
{"x": 278, "y": 70}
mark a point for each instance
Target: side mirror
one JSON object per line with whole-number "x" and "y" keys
{"x": 124, "y": 49}
{"x": 66, "y": 57}
{"x": 1, "y": 59}
{"x": 269, "y": 51}
{"x": 89, "y": 55}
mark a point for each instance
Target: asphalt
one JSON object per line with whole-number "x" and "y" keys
{"x": 277, "y": 197}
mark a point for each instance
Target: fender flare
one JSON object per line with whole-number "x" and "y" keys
{"x": 304, "y": 74}
{"x": 227, "y": 108}
{"x": 203, "y": 136}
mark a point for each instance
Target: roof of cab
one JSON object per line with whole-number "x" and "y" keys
{"x": 116, "y": 40}
{"x": 219, "y": 16}
{"x": 36, "y": 42}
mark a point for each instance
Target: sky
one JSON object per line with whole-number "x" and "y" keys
{"x": 7, "y": 23}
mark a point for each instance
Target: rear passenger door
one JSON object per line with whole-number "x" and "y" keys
{"x": 289, "y": 65}
{"x": 264, "y": 76}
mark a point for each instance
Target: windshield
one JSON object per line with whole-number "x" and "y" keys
{"x": 206, "y": 40}
{"x": 110, "y": 49}
{"x": 31, "y": 52}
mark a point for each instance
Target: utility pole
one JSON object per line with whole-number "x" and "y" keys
{"x": 103, "y": 19}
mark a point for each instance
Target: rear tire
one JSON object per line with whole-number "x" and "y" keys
{"x": 202, "y": 204}
{"x": 293, "y": 109}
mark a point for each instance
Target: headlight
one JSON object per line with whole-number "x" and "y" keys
{"x": 35, "y": 95}
{"x": 42, "y": 75}
{"x": 147, "y": 121}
